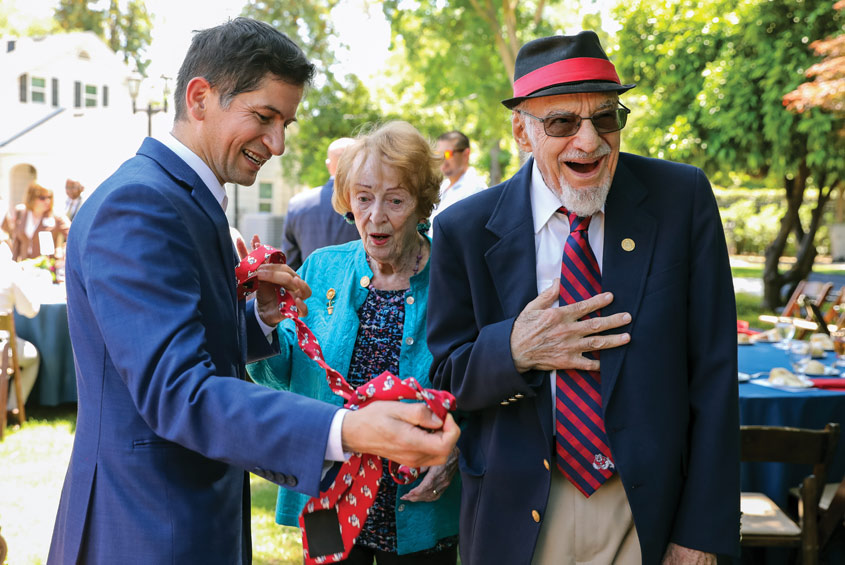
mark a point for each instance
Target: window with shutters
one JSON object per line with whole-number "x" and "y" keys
{"x": 265, "y": 197}
{"x": 90, "y": 96}
{"x": 37, "y": 92}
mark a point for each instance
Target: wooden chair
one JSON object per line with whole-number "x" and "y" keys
{"x": 814, "y": 291}
{"x": 831, "y": 509}
{"x": 10, "y": 369}
{"x": 763, "y": 523}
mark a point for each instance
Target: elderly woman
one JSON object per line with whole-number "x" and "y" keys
{"x": 30, "y": 219}
{"x": 368, "y": 310}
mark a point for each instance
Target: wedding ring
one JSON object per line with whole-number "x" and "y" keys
{"x": 434, "y": 491}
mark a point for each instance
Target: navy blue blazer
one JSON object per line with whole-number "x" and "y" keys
{"x": 669, "y": 396}
{"x": 167, "y": 424}
{"x": 312, "y": 223}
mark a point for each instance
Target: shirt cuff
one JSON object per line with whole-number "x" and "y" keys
{"x": 268, "y": 330}
{"x": 334, "y": 447}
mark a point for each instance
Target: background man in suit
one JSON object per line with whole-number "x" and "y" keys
{"x": 312, "y": 222}
{"x": 563, "y": 459}
{"x": 167, "y": 422}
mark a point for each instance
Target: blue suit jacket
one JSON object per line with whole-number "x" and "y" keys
{"x": 669, "y": 396}
{"x": 166, "y": 422}
{"x": 312, "y": 223}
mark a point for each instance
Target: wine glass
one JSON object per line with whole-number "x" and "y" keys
{"x": 838, "y": 338}
{"x": 799, "y": 355}
{"x": 785, "y": 330}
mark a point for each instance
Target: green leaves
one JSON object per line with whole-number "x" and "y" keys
{"x": 124, "y": 26}
{"x": 725, "y": 67}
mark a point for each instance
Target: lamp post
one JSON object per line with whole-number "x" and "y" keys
{"x": 134, "y": 85}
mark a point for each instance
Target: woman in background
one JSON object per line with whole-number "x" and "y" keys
{"x": 30, "y": 219}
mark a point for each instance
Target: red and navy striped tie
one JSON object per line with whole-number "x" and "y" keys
{"x": 583, "y": 455}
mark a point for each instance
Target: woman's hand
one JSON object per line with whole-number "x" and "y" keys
{"x": 435, "y": 481}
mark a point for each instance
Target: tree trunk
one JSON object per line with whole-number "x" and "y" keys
{"x": 773, "y": 279}
{"x": 495, "y": 165}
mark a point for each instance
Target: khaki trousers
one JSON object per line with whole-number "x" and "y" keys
{"x": 598, "y": 530}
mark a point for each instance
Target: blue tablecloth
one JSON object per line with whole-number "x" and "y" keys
{"x": 810, "y": 408}
{"x": 48, "y": 331}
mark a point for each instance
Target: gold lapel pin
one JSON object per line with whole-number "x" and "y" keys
{"x": 330, "y": 294}
{"x": 628, "y": 244}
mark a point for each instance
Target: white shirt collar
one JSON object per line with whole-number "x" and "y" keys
{"x": 198, "y": 166}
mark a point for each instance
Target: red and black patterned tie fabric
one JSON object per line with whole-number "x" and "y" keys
{"x": 353, "y": 490}
{"x": 583, "y": 455}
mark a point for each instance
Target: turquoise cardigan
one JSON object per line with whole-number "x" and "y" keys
{"x": 344, "y": 269}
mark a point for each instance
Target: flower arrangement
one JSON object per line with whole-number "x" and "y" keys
{"x": 47, "y": 263}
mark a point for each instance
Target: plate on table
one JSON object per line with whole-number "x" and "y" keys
{"x": 762, "y": 379}
{"x": 828, "y": 372}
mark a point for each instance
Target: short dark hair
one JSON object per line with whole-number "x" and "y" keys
{"x": 236, "y": 56}
{"x": 460, "y": 140}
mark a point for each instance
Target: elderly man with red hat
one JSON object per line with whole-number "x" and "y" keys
{"x": 584, "y": 320}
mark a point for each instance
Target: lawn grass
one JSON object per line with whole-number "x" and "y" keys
{"x": 34, "y": 460}
{"x": 755, "y": 271}
{"x": 748, "y": 308}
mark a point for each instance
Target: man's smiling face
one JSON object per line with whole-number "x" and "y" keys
{"x": 238, "y": 138}
{"x": 579, "y": 168}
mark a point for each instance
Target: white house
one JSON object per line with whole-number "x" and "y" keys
{"x": 67, "y": 113}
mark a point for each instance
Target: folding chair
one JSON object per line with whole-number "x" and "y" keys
{"x": 763, "y": 523}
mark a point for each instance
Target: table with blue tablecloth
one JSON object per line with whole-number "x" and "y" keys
{"x": 48, "y": 331}
{"x": 807, "y": 408}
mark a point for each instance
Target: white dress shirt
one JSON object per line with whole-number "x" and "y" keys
{"x": 334, "y": 447}
{"x": 550, "y": 233}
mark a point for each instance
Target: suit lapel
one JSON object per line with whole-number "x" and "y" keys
{"x": 513, "y": 263}
{"x": 188, "y": 179}
{"x": 624, "y": 272}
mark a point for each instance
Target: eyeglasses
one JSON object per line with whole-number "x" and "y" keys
{"x": 450, "y": 152}
{"x": 565, "y": 125}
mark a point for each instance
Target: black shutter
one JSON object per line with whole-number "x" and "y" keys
{"x": 77, "y": 94}
{"x": 105, "y": 95}
{"x": 23, "y": 80}
{"x": 55, "y": 92}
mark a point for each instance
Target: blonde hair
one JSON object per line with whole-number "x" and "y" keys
{"x": 399, "y": 145}
{"x": 33, "y": 192}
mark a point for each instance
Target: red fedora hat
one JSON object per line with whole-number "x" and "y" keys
{"x": 563, "y": 64}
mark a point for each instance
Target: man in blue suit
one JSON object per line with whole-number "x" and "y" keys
{"x": 567, "y": 456}
{"x": 167, "y": 421}
{"x": 312, "y": 222}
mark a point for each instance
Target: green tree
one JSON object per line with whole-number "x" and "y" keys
{"x": 337, "y": 105}
{"x": 125, "y": 26}
{"x": 711, "y": 78}
{"x": 460, "y": 59}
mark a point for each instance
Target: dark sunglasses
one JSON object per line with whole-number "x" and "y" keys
{"x": 449, "y": 152}
{"x": 565, "y": 125}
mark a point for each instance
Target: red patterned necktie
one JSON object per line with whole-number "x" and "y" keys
{"x": 347, "y": 501}
{"x": 583, "y": 455}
